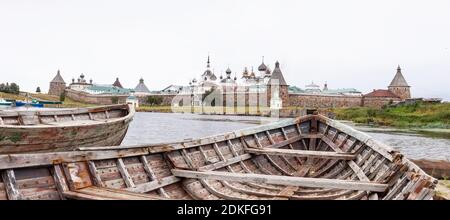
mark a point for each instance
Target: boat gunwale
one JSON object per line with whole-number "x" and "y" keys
{"x": 127, "y": 118}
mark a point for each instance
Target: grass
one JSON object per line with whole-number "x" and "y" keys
{"x": 11, "y": 96}
{"x": 46, "y": 97}
{"x": 419, "y": 115}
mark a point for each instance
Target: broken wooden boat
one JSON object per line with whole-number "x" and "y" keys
{"x": 308, "y": 158}
{"x": 63, "y": 129}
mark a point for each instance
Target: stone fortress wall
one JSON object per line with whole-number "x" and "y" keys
{"x": 95, "y": 99}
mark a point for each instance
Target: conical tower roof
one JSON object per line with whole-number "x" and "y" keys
{"x": 277, "y": 76}
{"x": 141, "y": 87}
{"x": 117, "y": 83}
{"x": 58, "y": 78}
{"x": 399, "y": 80}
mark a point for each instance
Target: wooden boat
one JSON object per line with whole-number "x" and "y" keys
{"x": 439, "y": 169}
{"x": 63, "y": 129}
{"x": 311, "y": 158}
{"x": 4, "y": 102}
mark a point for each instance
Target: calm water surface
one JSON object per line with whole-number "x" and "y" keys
{"x": 166, "y": 127}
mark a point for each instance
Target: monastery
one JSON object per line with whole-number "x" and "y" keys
{"x": 265, "y": 87}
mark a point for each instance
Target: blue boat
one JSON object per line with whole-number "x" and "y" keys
{"x": 32, "y": 104}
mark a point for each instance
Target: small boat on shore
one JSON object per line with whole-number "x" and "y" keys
{"x": 37, "y": 130}
{"x": 309, "y": 158}
{"x": 32, "y": 104}
{"x": 4, "y": 102}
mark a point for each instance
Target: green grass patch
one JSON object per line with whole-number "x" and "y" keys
{"x": 418, "y": 115}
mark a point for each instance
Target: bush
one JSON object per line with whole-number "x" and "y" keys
{"x": 154, "y": 100}
{"x": 62, "y": 97}
{"x": 12, "y": 88}
{"x": 115, "y": 100}
{"x": 38, "y": 89}
{"x": 371, "y": 113}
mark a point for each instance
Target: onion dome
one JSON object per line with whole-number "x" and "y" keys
{"x": 228, "y": 71}
{"x": 263, "y": 66}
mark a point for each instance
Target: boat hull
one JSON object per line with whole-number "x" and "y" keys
{"x": 309, "y": 158}
{"x": 65, "y": 135}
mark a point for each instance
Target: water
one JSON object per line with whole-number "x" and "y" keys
{"x": 166, "y": 127}
{"x": 170, "y": 127}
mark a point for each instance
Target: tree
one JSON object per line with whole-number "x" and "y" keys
{"x": 154, "y": 100}
{"x": 10, "y": 88}
{"x": 62, "y": 97}
{"x": 38, "y": 89}
{"x": 14, "y": 88}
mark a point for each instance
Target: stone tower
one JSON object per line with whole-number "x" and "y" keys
{"x": 57, "y": 85}
{"x": 399, "y": 86}
{"x": 117, "y": 83}
{"x": 278, "y": 89}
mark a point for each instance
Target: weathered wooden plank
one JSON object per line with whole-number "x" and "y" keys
{"x": 299, "y": 130}
{"x": 78, "y": 175}
{"x": 218, "y": 152}
{"x": 83, "y": 196}
{"x": 303, "y": 153}
{"x": 282, "y": 157}
{"x": 271, "y": 161}
{"x": 225, "y": 162}
{"x": 355, "y": 168}
{"x": 60, "y": 180}
{"x": 39, "y": 159}
{"x": 200, "y": 148}
{"x": 358, "y": 171}
{"x": 124, "y": 172}
{"x": 186, "y": 157}
{"x": 283, "y": 180}
{"x": 151, "y": 174}
{"x": 97, "y": 179}
{"x": 217, "y": 193}
{"x": 155, "y": 184}
{"x": 10, "y": 184}
{"x": 116, "y": 194}
{"x": 295, "y": 139}
{"x": 382, "y": 149}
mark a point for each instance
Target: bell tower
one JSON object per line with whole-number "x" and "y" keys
{"x": 399, "y": 86}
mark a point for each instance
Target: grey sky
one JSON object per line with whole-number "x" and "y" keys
{"x": 346, "y": 43}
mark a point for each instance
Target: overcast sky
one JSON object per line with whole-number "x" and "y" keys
{"x": 346, "y": 43}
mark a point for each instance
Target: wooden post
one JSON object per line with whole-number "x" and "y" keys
{"x": 93, "y": 169}
{"x": 124, "y": 172}
{"x": 60, "y": 180}
{"x": 9, "y": 181}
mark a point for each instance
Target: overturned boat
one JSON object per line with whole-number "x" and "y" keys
{"x": 308, "y": 158}
{"x": 63, "y": 129}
